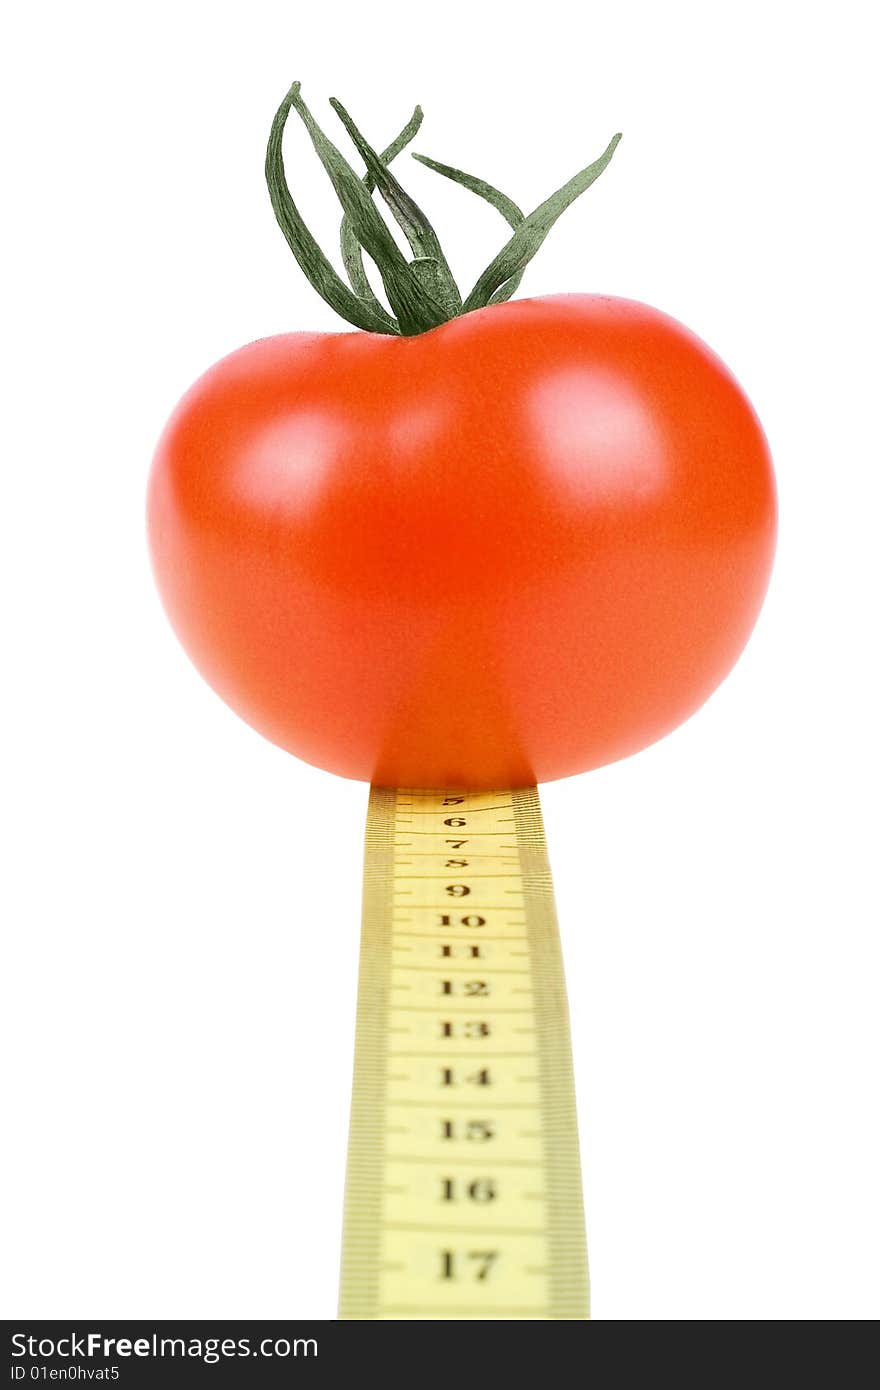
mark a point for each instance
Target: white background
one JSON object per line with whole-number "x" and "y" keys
{"x": 181, "y": 899}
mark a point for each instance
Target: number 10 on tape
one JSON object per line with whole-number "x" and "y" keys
{"x": 463, "y": 1195}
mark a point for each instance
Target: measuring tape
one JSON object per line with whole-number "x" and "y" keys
{"x": 463, "y": 1196}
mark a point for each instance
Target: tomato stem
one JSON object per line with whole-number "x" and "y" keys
{"x": 421, "y": 292}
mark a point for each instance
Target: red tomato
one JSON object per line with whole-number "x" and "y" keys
{"x": 513, "y": 548}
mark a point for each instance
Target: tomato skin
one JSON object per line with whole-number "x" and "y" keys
{"x": 520, "y": 546}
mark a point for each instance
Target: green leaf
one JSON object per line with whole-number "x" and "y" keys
{"x": 415, "y": 308}
{"x": 352, "y": 252}
{"x": 311, "y": 259}
{"x": 500, "y": 201}
{"x": 422, "y": 292}
{"x": 509, "y": 210}
{"x": 513, "y": 258}
{"x": 430, "y": 263}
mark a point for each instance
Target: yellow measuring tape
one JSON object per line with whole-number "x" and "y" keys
{"x": 463, "y": 1196}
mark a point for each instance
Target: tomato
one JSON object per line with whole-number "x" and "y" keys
{"x": 518, "y": 546}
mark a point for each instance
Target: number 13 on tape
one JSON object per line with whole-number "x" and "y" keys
{"x": 463, "y": 1195}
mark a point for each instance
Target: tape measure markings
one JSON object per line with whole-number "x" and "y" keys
{"x": 497, "y": 1232}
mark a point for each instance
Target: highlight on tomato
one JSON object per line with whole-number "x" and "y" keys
{"x": 475, "y": 541}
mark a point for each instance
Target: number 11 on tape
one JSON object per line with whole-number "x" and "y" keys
{"x": 463, "y": 1194}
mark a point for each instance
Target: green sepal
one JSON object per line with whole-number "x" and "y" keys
{"x": 350, "y": 247}
{"x": 422, "y": 293}
{"x": 513, "y": 258}
{"x": 414, "y": 307}
{"x": 429, "y": 262}
{"x": 510, "y": 211}
{"x": 310, "y": 258}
